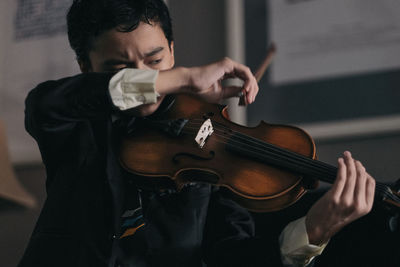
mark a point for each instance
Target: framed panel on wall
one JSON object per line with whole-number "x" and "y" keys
{"x": 337, "y": 68}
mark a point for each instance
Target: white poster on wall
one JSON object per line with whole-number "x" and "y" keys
{"x": 33, "y": 48}
{"x": 318, "y": 39}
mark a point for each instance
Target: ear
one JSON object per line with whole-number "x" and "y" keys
{"x": 171, "y": 48}
{"x": 84, "y": 66}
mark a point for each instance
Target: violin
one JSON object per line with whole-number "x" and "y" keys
{"x": 266, "y": 168}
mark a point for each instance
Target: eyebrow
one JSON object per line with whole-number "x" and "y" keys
{"x": 154, "y": 51}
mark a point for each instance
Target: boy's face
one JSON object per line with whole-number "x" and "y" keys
{"x": 146, "y": 47}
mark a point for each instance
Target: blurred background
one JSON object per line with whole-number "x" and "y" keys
{"x": 336, "y": 74}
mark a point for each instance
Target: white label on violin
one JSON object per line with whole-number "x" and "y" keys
{"x": 205, "y": 131}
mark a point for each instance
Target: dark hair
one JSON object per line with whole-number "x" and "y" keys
{"x": 87, "y": 19}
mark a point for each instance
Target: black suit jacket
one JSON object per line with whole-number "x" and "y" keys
{"x": 71, "y": 120}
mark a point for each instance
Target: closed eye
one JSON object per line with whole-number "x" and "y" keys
{"x": 155, "y": 61}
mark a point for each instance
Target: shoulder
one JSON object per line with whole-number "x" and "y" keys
{"x": 93, "y": 79}
{"x": 56, "y": 93}
{"x": 48, "y": 86}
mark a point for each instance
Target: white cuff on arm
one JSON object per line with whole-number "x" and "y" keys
{"x": 130, "y": 88}
{"x": 295, "y": 247}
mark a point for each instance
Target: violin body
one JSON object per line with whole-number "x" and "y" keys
{"x": 161, "y": 160}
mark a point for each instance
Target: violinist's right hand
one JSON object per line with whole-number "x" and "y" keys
{"x": 205, "y": 81}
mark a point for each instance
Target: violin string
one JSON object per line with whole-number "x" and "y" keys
{"x": 331, "y": 168}
{"x": 279, "y": 151}
{"x": 383, "y": 189}
{"x": 307, "y": 161}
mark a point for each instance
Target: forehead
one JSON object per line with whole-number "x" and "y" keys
{"x": 137, "y": 42}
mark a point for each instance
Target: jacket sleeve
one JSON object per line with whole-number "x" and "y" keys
{"x": 84, "y": 96}
{"x": 68, "y": 115}
{"x": 230, "y": 240}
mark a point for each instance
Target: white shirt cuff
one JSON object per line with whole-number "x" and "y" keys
{"x": 295, "y": 247}
{"x": 130, "y": 88}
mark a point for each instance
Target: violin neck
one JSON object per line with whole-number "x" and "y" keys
{"x": 280, "y": 157}
{"x": 291, "y": 161}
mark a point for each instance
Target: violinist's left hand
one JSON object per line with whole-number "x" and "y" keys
{"x": 350, "y": 198}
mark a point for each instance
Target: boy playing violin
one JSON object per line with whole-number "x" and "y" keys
{"x": 95, "y": 214}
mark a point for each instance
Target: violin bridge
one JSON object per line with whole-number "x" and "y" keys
{"x": 204, "y": 132}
